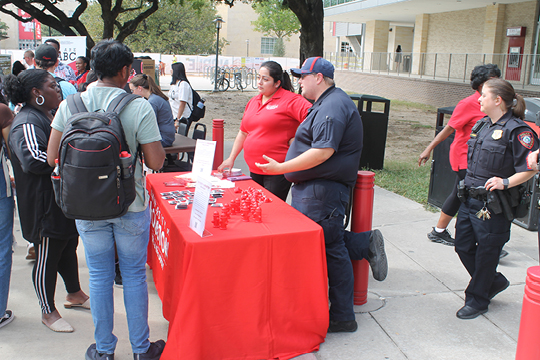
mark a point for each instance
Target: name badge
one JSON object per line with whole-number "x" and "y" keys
{"x": 497, "y": 134}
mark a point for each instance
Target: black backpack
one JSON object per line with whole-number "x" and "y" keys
{"x": 197, "y": 113}
{"x": 91, "y": 180}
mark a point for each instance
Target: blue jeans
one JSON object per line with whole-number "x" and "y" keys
{"x": 6, "y": 247}
{"x": 130, "y": 233}
{"x": 325, "y": 202}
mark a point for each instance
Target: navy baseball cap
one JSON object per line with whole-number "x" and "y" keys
{"x": 315, "y": 65}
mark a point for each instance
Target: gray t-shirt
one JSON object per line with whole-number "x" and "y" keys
{"x": 139, "y": 123}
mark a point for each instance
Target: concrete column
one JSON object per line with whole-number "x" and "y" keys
{"x": 376, "y": 44}
{"x": 421, "y": 27}
{"x": 493, "y": 33}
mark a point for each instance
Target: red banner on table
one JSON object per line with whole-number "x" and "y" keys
{"x": 253, "y": 291}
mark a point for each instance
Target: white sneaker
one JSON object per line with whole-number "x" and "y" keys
{"x": 30, "y": 252}
{"x": 7, "y": 318}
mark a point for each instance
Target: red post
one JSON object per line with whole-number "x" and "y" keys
{"x": 218, "y": 136}
{"x": 527, "y": 346}
{"x": 361, "y": 220}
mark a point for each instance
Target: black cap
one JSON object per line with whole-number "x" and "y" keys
{"x": 46, "y": 52}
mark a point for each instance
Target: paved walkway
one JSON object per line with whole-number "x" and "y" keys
{"x": 411, "y": 315}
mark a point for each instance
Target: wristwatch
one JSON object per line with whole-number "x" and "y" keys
{"x": 506, "y": 182}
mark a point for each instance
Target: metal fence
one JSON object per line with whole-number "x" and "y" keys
{"x": 521, "y": 69}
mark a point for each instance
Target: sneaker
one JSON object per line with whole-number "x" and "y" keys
{"x": 153, "y": 352}
{"x": 7, "y": 318}
{"x": 503, "y": 253}
{"x": 30, "y": 252}
{"x": 441, "y": 238}
{"x": 377, "y": 256}
{"x": 342, "y": 326}
{"x": 118, "y": 277}
{"x": 93, "y": 354}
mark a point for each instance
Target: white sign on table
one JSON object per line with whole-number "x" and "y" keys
{"x": 203, "y": 159}
{"x": 200, "y": 204}
{"x": 202, "y": 172}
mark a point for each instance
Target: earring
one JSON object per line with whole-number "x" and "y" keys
{"x": 42, "y": 100}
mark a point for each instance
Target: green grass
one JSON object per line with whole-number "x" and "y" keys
{"x": 404, "y": 178}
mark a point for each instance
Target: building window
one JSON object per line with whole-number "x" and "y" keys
{"x": 267, "y": 45}
{"x": 345, "y": 47}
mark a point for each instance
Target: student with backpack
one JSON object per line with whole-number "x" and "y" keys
{"x": 111, "y": 60}
{"x": 47, "y": 59}
{"x": 42, "y": 222}
{"x": 180, "y": 93}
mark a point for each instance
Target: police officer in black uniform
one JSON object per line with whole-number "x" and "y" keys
{"x": 497, "y": 162}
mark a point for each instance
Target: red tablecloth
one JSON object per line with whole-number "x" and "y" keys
{"x": 253, "y": 291}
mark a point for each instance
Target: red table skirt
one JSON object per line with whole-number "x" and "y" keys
{"x": 253, "y": 291}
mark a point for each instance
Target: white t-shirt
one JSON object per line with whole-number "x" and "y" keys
{"x": 139, "y": 123}
{"x": 181, "y": 91}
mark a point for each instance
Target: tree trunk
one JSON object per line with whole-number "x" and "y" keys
{"x": 310, "y": 13}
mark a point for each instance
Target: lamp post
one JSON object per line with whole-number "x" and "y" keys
{"x": 218, "y": 22}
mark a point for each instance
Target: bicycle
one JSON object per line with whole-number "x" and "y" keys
{"x": 238, "y": 81}
{"x": 222, "y": 81}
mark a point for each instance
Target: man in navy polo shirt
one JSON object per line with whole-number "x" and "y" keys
{"x": 322, "y": 162}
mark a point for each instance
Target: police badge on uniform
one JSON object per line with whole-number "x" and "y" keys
{"x": 497, "y": 134}
{"x": 526, "y": 139}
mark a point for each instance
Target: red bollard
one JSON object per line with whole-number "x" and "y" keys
{"x": 361, "y": 220}
{"x": 218, "y": 136}
{"x": 527, "y": 346}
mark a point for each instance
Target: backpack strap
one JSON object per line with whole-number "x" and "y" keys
{"x": 119, "y": 103}
{"x": 75, "y": 104}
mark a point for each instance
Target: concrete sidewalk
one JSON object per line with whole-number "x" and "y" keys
{"x": 411, "y": 315}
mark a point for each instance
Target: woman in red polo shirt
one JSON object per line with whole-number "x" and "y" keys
{"x": 268, "y": 126}
{"x": 465, "y": 115}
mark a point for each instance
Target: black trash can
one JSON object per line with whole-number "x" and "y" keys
{"x": 375, "y": 130}
{"x": 442, "y": 178}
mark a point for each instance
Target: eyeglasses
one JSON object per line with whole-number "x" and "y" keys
{"x": 304, "y": 75}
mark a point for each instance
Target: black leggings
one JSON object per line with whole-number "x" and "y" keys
{"x": 452, "y": 203}
{"x": 52, "y": 256}
{"x": 276, "y": 184}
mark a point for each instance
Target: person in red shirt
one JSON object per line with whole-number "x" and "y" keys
{"x": 268, "y": 126}
{"x": 465, "y": 115}
{"x": 83, "y": 67}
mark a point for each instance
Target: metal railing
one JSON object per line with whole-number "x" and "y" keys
{"x": 521, "y": 69}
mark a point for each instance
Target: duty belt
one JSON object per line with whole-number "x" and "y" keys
{"x": 478, "y": 193}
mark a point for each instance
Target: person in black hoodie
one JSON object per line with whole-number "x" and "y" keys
{"x": 42, "y": 222}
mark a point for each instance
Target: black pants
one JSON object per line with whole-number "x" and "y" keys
{"x": 479, "y": 244}
{"x": 55, "y": 256}
{"x": 324, "y": 202}
{"x": 276, "y": 184}
{"x": 451, "y": 204}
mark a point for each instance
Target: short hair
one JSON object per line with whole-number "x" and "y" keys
{"x": 109, "y": 57}
{"x": 328, "y": 81}
{"x": 29, "y": 53}
{"x": 53, "y": 41}
{"x": 483, "y": 73}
